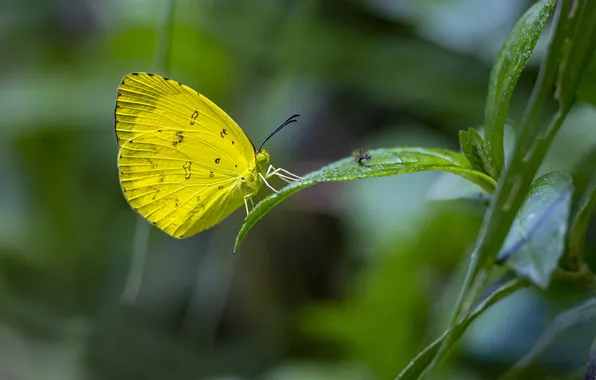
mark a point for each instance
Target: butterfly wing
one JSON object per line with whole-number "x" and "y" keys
{"x": 181, "y": 157}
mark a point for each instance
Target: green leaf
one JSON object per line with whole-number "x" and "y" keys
{"x": 536, "y": 240}
{"x": 451, "y": 187}
{"x": 417, "y": 366}
{"x": 511, "y": 60}
{"x": 473, "y": 146}
{"x": 384, "y": 162}
{"x": 577, "y": 54}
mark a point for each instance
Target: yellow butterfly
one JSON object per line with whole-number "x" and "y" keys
{"x": 185, "y": 165}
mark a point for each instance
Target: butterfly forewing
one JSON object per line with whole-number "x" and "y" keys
{"x": 149, "y": 102}
{"x": 180, "y": 154}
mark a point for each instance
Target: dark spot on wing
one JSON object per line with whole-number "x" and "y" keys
{"x": 193, "y": 117}
{"x": 211, "y": 175}
{"x": 217, "y": 160}
{"x": 220, "y": 187}
{"x": 186, "y": 168}
{"x": 179, "y": 138}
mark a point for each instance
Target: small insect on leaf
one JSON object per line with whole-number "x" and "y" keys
{"x": 361, "y": 154}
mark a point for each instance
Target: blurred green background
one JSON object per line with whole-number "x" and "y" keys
{"x": 341, "y": 281}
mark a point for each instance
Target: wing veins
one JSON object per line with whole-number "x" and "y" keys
{"x": 182, "y": 127}
{"x": 182, "y": 184}
{"x": 173, "y": 110}
{"x": 142, "y": 195}
{"x": 159, "y": 91}
{"x": 161, "y": 171}
{"x": 204, "y": 212}
{"x": 170, "y": 101}
{"x": 169, "y": 203}
{"x": 174, "y": 159}
{"x": 180, "y": 216}
{"x": 197, "y": 140}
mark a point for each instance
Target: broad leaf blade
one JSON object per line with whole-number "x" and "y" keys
{"x": 536, "y": 240}
{"x": 513, "y": 57}
{"x": 417, "y": 366}
{"x": 384, "y": 162}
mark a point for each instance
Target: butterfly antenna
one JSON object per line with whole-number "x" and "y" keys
{"x": 290, "y": 120}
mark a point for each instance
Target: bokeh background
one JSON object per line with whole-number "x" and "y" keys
{"x": 341, "y": 281}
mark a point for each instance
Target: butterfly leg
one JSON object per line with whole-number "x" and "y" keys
{"x": 288, "y": 180}
{"x": 246, "y": 202}
{"x": 273, "y": 171}
{"x": 267, "y": 183}
{"x": 282, "y": 173}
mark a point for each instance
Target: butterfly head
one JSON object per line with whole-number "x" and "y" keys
{"x": 262, "y": 156}
{"x": 263, "y": 159}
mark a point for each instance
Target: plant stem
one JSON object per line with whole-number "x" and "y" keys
{"x": 164, "y": 42}
{"x": 514, "y": 183}
{"x": 134, "y": 279}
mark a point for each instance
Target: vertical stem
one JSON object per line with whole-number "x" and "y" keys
{"x": 134, "y": 278}
{"x": 514, "y": 183}
{"x": 140, "y": 245}
{"x": 164, "y": 40}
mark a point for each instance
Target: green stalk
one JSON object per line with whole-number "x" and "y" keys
{"x": 514, "y": 183}
{"x": 163, "y": 51}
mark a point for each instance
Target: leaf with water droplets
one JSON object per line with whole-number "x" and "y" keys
{"x": 513, "y": 57}
{"x": 536, "y": 240}
{"x": 384, "y": 162}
